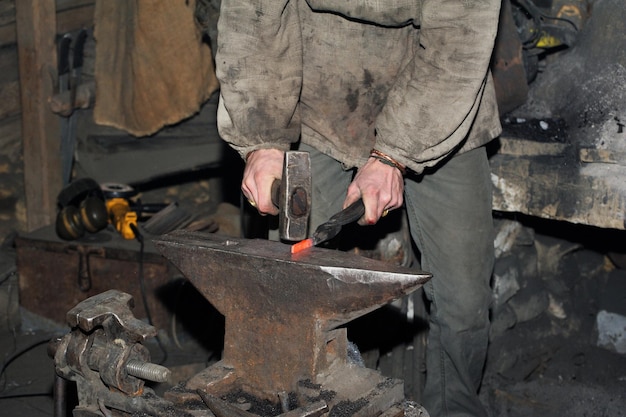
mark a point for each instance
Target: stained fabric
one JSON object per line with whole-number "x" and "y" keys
{"x": 410, "y": 78}
{"x": 152, "y": 68}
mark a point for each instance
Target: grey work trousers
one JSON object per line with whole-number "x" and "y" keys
{"x": 450, "y": 220}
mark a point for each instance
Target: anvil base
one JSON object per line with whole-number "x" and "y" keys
{"x": 347, "y": 390}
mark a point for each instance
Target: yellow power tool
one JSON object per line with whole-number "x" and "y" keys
{"x": 120, "y": 214}
{"x": 122, "y": 217}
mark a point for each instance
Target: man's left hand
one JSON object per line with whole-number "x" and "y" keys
{"x": 381, "y": 187}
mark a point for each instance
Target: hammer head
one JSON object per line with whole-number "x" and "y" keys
{"x": 295, "y": 196}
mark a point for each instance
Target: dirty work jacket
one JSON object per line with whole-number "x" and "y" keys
{"x": 409, "y": 78}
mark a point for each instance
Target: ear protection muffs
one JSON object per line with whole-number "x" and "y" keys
{"x": 81, "y": 208}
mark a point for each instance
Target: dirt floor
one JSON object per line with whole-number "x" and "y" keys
{"x": 579, "y": 380}
{"x": 551, "y": 363}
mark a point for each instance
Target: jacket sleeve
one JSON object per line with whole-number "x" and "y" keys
{"x": 259, "y": 66}
{"x": 433, "y": 103}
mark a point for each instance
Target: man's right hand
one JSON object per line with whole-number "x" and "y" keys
{"x": 263, "y": 166}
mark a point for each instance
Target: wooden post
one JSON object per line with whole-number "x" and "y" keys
{"x": 36, "y": 32}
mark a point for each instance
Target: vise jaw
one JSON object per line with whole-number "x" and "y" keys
{"x": 105, "y": 356}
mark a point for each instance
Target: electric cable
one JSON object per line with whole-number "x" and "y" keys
{"x": 174, "y": 328}
{"x": 142, "y": 288}
{"x": 537, "y": 17}
{"x": 11, "y": 272}
{"x": 541, "y": 14}
{"x": 536, "y": 13}
{"x": 13, "y": 357}
{"x": 26, "y": 395}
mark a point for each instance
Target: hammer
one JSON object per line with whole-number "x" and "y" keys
{"x": 292, "y": 196}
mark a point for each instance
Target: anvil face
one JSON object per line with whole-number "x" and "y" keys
{"x": 280, "y": 308}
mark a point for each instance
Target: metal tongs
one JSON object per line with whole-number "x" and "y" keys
{"x": 332, "y": 227}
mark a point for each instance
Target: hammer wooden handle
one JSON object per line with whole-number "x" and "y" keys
{"x": 276, "y": 193}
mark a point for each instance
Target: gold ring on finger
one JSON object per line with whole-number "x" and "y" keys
{"x": 385, "y": 212}
{"x": 252, "y": 203}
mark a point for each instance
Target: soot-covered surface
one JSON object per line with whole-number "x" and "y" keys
{"x": 545, "y": 357}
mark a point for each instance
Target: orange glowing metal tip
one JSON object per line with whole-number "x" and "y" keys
{"x": 332, "y": 227}
{"x": 302, "y": 245}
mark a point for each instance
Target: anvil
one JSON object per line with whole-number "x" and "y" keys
{"x": 282, "y": 311}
